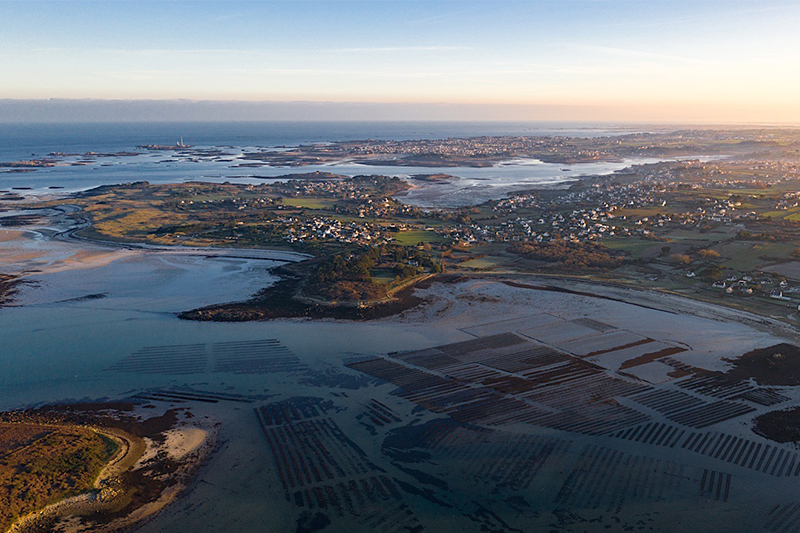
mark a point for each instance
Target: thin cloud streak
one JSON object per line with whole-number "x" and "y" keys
{"x": 399, "y": 49}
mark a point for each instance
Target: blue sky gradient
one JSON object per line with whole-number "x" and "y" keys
{"x": 706, "y": 60}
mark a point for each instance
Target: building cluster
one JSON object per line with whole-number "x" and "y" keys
{"x": 788, "y": 201}
{"x": 344, "y": 189}
{"x": 748, "y": 285}
{"x": 518, "y": 201}
{"x": 567, "y": 148}
{"x": 322, "y": 228}
{"x": 377, "y": 208}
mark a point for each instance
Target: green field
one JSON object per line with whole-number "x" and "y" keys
{"x": 382, "y": 276}
{"x": 720, "y": 234}
{"x": 791, "y": 214}
{"x": 481, "y": 263}
{"x": 411, "y": 238}
{"x": 309, "y": 203}
{"x": 747, "y": 256}
{"x": 634, "y": 247}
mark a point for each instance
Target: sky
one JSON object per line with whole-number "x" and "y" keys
{"x": 643, "y": 60}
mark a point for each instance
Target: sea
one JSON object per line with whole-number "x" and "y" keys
{"x": 78, "y": 172}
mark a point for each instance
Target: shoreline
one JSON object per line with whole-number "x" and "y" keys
{"x": 119, "y": 482}
{"x": 282, "y": 300}
{"x": 100, "y": 498}
{"x": 265, "y": 306}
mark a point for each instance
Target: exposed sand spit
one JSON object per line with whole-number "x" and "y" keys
{"x": 182, "y": 442}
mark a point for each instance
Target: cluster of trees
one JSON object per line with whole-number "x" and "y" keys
{"x": 569, "y": 254}
{"x": 405, "y": 261}
{"x": 351, "y": 290}
{"x": 355, "y": 267}
{"x": 348, "y": 277}
{"x": 462, "y": 215}
{"x": 775, "y": 235}
{"x": 404, "y": 256}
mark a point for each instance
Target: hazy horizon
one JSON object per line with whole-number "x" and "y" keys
{"x": 87, "y": 110}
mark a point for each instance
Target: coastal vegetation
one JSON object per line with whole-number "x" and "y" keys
{"x": 570, "y": 255}
{"x": 41, "y": 464}
{"x": 101, "y": 462}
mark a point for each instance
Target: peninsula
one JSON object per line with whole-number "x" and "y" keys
{"x": 107, "y": 466}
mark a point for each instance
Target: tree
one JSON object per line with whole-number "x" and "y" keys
{"x": 709, "y": 254}
{"x": 682, "y": 258}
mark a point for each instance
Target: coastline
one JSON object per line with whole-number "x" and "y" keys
{"x": 108, "y": 503}
{"x": 283, "y": 300}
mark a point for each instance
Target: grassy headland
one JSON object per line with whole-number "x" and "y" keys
{"x": 86, "y": 460}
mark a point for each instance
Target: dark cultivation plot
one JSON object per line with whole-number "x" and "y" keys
{"x": 322, "y": 470}
{"x": 400, "y": 375}
{"x": 607, "y": 479}
{"x": 471, "y": 350}
{"x": 653, "y": 433}
{"x": 179, "y": 396}
{"x": 715, "y": 485}
{"x": 255, "y": 357}
{"x": 710, "y": 414}
{"x": 504, "y": 460}
{"x": 432, "y": 359}
{"x": 667, "y": 402}
{"x": 528, "y": 359}
{"x": 592, "y": 419}
{"x": 172, "y": 360}
{"x": 632, "y": 344}
{"x": 652, "y": 356}
{"x": 556, "y": 391}
{"x": 507, "y": 461}
{"x": 715, "y": 384}
{"x": 378, "y": 414}
{"x": 471, "y": 372}
{"x": 784, "y": 519}
{"x": 765, "y": 397}
{"x": 745, "y": 453}
{"x": 594, "y": 324}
